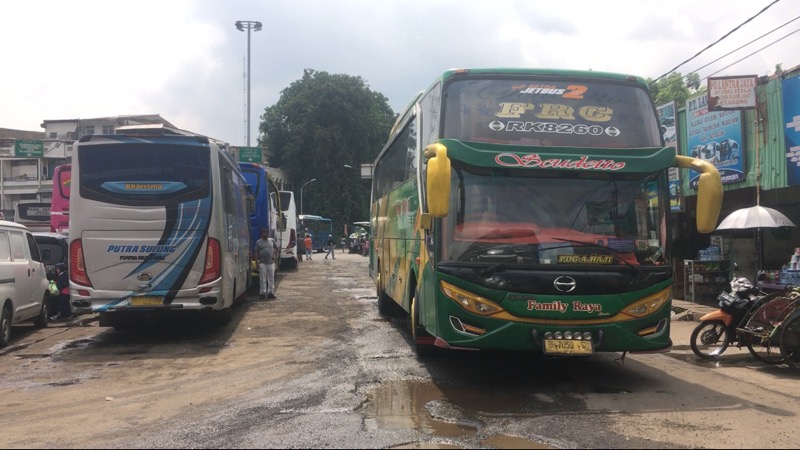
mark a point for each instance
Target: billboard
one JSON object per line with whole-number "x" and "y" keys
{"x": 716, "y": 137}
{"x": 791, "y": 129}
{"x": 667, "y": 120}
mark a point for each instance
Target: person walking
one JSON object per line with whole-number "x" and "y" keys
{"x": 266, "y": 252}
{"x": 331, "y": 251}
{"x": 309, "y": 247}
{"x": 301, "y": 249}
{"x": 62, "y": 283}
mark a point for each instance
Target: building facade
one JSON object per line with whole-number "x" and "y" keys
{"x": 27, "y": 158}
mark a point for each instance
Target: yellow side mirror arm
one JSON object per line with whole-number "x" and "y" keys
{"x": 709, "y": 192}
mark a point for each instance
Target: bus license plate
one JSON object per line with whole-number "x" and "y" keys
{"x": 147, "y": 300}
{"x": 567, "y": 347}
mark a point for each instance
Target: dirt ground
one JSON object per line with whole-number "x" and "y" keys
{"x": 317, "y": 367}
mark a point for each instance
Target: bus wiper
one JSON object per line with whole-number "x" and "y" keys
{"x": 639, "y": 273}
{"x": 519, "y": 251}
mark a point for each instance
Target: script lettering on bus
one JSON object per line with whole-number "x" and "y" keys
{"x": 562, "y": 307}
{"x": 534, "y": 160}
{"x": 557, "y": 306}
{"x": 143, "y": 186}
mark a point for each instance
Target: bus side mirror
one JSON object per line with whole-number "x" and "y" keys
{"x": 709, "y": 192}
{"x": 437, "y": 180}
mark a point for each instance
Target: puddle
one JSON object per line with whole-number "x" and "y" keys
{"x": 78, "y": 343}
{"x": 504, "y": 441}
{"x": 443, "y": 411}
{"x": 33, "y": 356}
{"x": 63, "y": 383}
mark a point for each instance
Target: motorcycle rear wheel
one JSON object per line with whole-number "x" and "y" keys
{"x": 790, "y": 342}
{"x": 766, "y": 353}
{"x": 710, "y": 339}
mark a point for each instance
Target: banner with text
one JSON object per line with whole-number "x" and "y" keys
{"x": 791, "y": 130}
{"x": 732, "y": 92}
{"x": 716, "y": 137}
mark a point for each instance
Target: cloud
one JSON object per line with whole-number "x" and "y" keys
{"x": 185, "y": 59}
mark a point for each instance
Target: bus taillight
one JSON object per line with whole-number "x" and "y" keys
{"x": 211, "y": 271}
{"x": 292, "y": 240}
{"x": 77, "y": 265}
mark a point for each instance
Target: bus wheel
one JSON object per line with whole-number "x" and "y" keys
{"x": 384, "y": 302}
{"x": 417, "y": 331}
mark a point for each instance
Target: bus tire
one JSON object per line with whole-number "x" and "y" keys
{"x": 386, "y": 306}
{"x": 417, "y": 330}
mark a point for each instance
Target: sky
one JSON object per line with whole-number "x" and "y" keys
{"x": 186, "y": 61}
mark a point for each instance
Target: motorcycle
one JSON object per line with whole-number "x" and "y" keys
{"x": 717, "y": 330}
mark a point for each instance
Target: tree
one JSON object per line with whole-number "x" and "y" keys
{"x": 674, "y": 87}
{"x": 321, "y": 123}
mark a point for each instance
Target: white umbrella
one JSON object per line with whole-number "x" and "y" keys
{"x": 754, "y": 217}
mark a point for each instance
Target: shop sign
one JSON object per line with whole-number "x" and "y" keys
{"x": 715, "y": 137}
{"x": 732, "y": 92}
{"x": 28, "y": 148}
{"x": 791, "y": 128}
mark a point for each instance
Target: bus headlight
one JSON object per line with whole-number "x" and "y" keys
{"x": 648, "y": 305}
{"x": 469, "y": 301}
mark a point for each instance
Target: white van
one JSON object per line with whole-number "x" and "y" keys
{"x": 289, "y": 235}
{"x": 23, "y": 280}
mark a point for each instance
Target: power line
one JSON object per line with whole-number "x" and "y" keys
{"x": 717, "y": 41}
{"x": 754, "y": 40}
{"x": 751, "y": 54}
{"x": 685, "y": 77}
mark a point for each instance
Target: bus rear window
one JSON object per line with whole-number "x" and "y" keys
{"x": 143, "y": 174}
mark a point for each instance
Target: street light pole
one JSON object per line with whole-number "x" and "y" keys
{"x": 301, "y": 193}
{"x": 255, "y": 26}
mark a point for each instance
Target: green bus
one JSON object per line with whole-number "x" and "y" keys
{"x": 528, "y": 209}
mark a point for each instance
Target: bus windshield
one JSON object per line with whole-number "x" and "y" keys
{"x": 555, "y": 220}
{"x": 143, "y": 174}
{"x": 544, "y": 111}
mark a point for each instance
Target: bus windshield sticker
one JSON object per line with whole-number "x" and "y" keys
{"x": 143, "y": 187}
{"x": 586, "y": 259}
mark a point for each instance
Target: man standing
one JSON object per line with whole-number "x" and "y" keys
{"x": 331, "y": 251}
{"x": 266, "y": 251}
{"x": 309, "y": 247}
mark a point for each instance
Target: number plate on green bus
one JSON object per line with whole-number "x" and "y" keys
{"x": 567, "y": 347}
{"x": 147, "y": 300}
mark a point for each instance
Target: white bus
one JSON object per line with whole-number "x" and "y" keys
{"x": 158, "y": 226}
{"x": 289, "y": 256}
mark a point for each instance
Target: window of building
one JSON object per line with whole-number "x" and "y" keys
{"x": 108, "y": 129}
{"x": 53, "y": 135}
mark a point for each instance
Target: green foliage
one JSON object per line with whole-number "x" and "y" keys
{"x": 321, "y": 123}
{"x": 675, "y": 87}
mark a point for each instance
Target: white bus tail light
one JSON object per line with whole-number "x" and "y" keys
{"x": 77, "y": 265}
{"x": 211, "y": 270}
